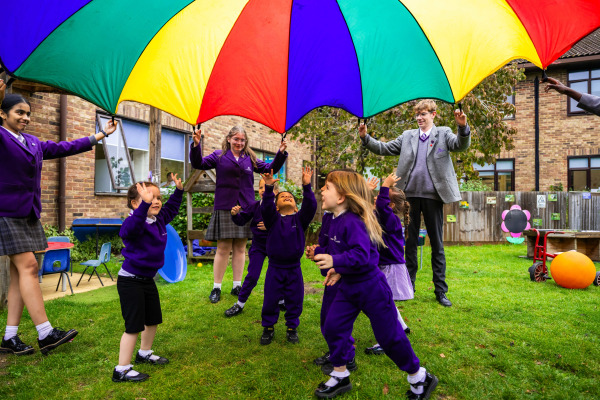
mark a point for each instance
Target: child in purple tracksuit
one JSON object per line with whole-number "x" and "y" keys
{"x": 286, "y": 228}
{"x": 257, "y": 252}
{"x": 144, "y": 235}
{"x": 351, "y": 255}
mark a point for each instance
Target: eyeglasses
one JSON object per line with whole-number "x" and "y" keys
{"x": 422, "y": 114}
{"x": 239, "y": 140}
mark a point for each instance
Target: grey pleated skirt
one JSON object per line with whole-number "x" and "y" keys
{"x": 21, "y": 235}
{"x": 222, "y": 227}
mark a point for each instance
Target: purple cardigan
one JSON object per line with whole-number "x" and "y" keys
{"x": 235, "y": 179}
{"x": 253, "y": 213}
{"x": 21, "y": 170}
{"x": 393, "y": 236}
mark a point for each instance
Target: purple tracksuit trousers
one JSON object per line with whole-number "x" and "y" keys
{"x": 256, "y": 260}
{"x": 373, "y": 297}
{"x": 328, "y": 297}
{"x": 286, "y": 283}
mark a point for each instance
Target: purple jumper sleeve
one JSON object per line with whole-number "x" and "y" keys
{"x": 203, "y": 163}
{"x": 262, "y": 167}
{"x": 359, "y": 244}
{"x": 136, "y": 222}
{"x": 242, "y": 217}
{"x": 171, "y": 208}
{"x": 268, "y": 208}
{"x": 309, "y": 207}
{"x": 388, "y": 220}
{"x": 52, "y": 150}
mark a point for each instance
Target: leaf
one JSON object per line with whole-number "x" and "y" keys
{"x": 442, "y": 355}
{"x": 386, "y": 389}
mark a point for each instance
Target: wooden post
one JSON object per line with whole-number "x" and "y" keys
{"x": 4, "y": 280}
{"x": 155, "y": 144}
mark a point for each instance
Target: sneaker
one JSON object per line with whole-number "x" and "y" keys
{"x": 328, "y": 368}
{"x": 139, "y": 359}
{"x": 292, "y": 336}
{"x": 343, "y": 385}
{"x": 407, "y": 331}
{"x": 267, "y": 335}
{"x": 122, "y": 376}
{"x": 234, "y": 310}
{"x": 215, "y": 295}
{"x": 282, "y": 307}
{"x": 236, "y": 290}
{"x": 375, "y": 350}
{"x": 324, "y": 359}
{"x": 55, "y": 339}
{"x": 428, "y": 384}
{"x": 16, "y": 346}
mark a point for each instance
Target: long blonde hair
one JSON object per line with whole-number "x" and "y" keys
{"x": 246, "y": 150}
{"x": 354, "y": 187}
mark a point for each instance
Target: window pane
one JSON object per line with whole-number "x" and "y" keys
{"x": 596, "y": 87}
{"x": 578, "y": 163}
{"x": 504, "y": 181}
{"x": 136, "y": 134}
{"x": 574, "y": 76}
{"x": 268, "y": 158}
{"x": 117, "y": 155}
{"x": 595, "y": 162}
{"x": 167, "y": 166}
{"x": 486, "y": 173}
{"x": 579, "y": 180}
{"x": 595, "y": 178}
{"x": 505, "y": 164}
{"x": 581, "y": 87}
{"x": 171, "y": 145}
{"x": 596, "y": 73}
{"x": 487, "y": 179}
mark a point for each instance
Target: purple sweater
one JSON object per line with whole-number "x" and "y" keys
{"x": 355, "y": 257}
{"x": 324, "y": 234}
{"x": 285, "y": 239}
{"x": 144, "y": 244}
{"x": 252, "y": 212}
{"x": 392, "y": 230}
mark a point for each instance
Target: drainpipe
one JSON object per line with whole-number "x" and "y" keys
{"x": 536, "y": 86}
{"x": 62, "y": 166}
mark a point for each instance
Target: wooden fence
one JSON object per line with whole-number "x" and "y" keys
{"x": 584, "y": 211}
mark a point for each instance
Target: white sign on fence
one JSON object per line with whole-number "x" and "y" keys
{"x": 541, "y": 201}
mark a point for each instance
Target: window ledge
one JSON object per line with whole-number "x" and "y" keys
{"x": 110, "y": 194}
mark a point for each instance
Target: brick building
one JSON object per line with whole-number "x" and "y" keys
{"x": 568, "y": 146}
{"x": 88, "y": 189}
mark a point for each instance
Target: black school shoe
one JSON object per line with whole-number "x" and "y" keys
{"x": 282, "y": 307}
{"x": 16, "y": 346}
{"x": 236, "y": 290}
{"x": 234, "y": 310}
{"x": 442, "y": 299}
{"x": 378, "y": 350}
{"x": 122, "y": 376}
{"x": 292, "y": 336}
{"x": 215, "y": 295}
{"x": 139, "y": 359}
{"x": 328, "y": 367}
{"x": 55, "y": 339}
{"x": 343, "y": 385}
{"x": 324, "y": 359}
{"x": 267, "y": 335}
{"x": 428, "y": 384}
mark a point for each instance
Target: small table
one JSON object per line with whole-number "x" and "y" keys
{"x": 39, "y": 255}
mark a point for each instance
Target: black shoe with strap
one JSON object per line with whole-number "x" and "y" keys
{"x": 428, "y": 385}
{"x": 328, "y": 367}
{"x": 282, "y": 307}
{"x": 234, "y": 310}
{"x": 292, "y": 336}
{"x": 15, "y": 346}
{"x": 267, "y": 335}
{"x": 215, "y": 295}
{"x": 236, "y": 290}
{"x": 140, "y": 359}
{"x": 55, "y": 338}
{"x": 375, "y": 350}
{"x": 121, "y": 376}
{"x": 342, "y": 385}
{"x": 442, "y": 299}
{"x": 324, "y": 359}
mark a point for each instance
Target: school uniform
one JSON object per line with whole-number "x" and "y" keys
{"x": 234, "y": 186}
{"x": 285, "y": 247}
{"x": 363, "y": 287}
{"x": 144, "y": 243}
{"x": 257, "y": 252}
{"x": 20, "y": 187}
{"x": 391, "y": 257}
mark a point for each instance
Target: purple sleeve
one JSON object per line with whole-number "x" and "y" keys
{"x": 358, "y": 242}
{"x": 267, "y": 207}
{"x": 135, "y": 223}
{"x": 242, "y": 217}
{"x": 203, "y": 163}
{"x": 388, "y": 220}
{"x": 309, "y": 207}
{"x": 171, "y": 208}
{"x": 262, "y": 167}
{"x": 53, "y": 150}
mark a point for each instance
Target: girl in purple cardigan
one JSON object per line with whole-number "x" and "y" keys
{"x": 352, "y": 258}
{"x": 21, "y": 233}
{"x": 144, "y": 235}
{"x": 234, "y": 165}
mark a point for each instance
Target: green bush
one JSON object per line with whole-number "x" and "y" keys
{"x": 199, "y": 221}
{"x": 474, "y": 185}
{"x": 83, "y": 251}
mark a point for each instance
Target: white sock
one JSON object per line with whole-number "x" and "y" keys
{"x": 146, "y": 353}
{"x": 281, "y": 301}
{"x": 236, "y": 284}
{"x": 11, "y": 331}
{"x": 216, "y": 286}
{"x": 404, "y": 326}
{"x": 416, "y": 378}
{"x": 239, "y": 303}
{"x": 121, "y": 368}
{"x": 43, "y": 330}
{"x": 333, "y": 382}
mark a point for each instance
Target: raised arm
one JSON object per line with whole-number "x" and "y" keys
{"x": 267, "y": 206}
{"x": 280, "y": 157}
{"x": 171, "y": 208}
{"x": 462, "y": 140}
{"x": 309, "y": 203}
{"x": 241, "y": 216}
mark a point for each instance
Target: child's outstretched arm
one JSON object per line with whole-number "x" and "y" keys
{"x": 267, "y": 207}
{"x": 171, "y": 208}
{"x": 196, "y": 159}
{"x": 388, "y": 220}
{"x": 136, "y": 222}
{"x": 309, "y": 202}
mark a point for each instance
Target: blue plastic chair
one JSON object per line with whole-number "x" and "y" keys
{"x": 64, "y": 239}
{"x": 102, "y": 260}
{"x": 63, "y": 258}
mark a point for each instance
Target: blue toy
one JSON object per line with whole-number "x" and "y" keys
{"x": 175, "y": 267}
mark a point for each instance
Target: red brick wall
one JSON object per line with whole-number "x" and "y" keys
{"x": 81, "y": 201}
{"x": 560, "y": 135}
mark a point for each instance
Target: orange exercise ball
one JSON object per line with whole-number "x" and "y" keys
{"x": 573, "y": 270}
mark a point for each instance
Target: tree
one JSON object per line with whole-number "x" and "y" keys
{"x": 334, "y": 131}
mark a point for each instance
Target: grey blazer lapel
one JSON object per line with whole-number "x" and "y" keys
{"x": 432, "y": 139}
{"x": 414, "y": 141}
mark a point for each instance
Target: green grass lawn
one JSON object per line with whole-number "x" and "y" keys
{"x": 505, "y": 338}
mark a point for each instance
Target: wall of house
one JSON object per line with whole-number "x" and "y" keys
{"x": 560, "y": 135}
{"x": 81, "y": 201}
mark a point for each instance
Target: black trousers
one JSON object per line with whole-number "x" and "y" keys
{"x": 433, "y": 214}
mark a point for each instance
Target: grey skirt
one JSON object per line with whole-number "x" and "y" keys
{"x": 222, "y": 227}
{"x": 21, "y": 235}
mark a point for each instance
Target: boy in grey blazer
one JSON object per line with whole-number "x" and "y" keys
{"x": 588, "y": 102}
{"x": 428, "y": 180}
